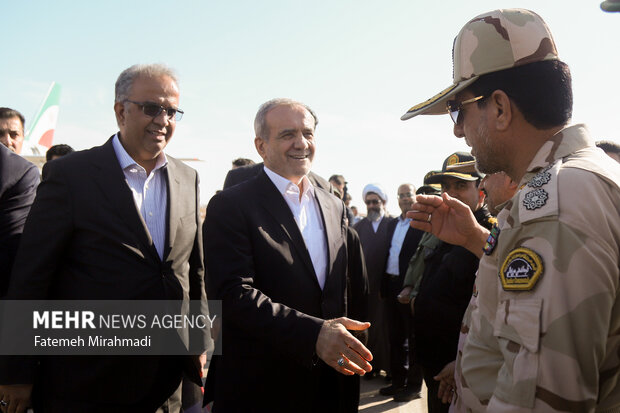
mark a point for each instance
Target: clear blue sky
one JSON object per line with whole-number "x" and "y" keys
{"x": 359, "y": 64}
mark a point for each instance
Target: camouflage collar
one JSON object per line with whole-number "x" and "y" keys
{"x": 566, "y": 141}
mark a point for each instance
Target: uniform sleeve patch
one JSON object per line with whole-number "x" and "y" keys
{"x": 492, "y": 239}
{"x": 521, "y": 270}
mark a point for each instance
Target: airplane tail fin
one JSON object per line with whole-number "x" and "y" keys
{"x": 41, "y": 132}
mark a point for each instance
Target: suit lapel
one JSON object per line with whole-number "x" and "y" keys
{"x": 174, "y": 199}
{"x": 111, "y": 180}
{"x": 332, "y": 225}
{"x": 273, "y": 201}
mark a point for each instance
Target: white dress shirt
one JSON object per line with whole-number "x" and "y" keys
{"x": 308, "y": 218}
{"x": 150, "y": 193}
{"x": 402, "y": 226}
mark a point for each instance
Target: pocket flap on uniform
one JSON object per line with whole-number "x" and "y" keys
{"x": 519, "y": 321}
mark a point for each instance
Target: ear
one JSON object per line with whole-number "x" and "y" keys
{"x": 119, "y": 111}
{"x": 481, "y": 196}
{"x": 260, "y": 144}
{"x": 503, "y": 109}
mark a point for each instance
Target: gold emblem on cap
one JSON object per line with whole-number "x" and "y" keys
{"x": 453, "y": 159}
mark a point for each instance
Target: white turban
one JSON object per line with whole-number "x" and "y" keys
{"x": 376, "y": 189}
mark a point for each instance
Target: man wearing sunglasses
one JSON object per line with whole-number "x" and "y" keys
{"x": 115, "y": 222}
{"x": 544, "y": 330}
{"x": 375, "y": 239}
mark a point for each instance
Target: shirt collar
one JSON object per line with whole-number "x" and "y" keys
{"x": 126, "y": 160}
{"x": 285, "y": 185}
{"x": 564, "y": 142}
{"x": 402, "y": 220}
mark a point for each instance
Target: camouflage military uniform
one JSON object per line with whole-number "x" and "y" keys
{"x": 544, "y": 329}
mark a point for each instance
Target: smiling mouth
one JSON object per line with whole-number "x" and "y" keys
{"x": 299, "y": 157}
{"x": 157, "y": 133}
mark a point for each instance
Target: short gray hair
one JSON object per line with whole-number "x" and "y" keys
{"x": 128, "y": 76}
{"x": 260, "y": 123}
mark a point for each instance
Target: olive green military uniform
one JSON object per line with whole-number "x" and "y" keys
{"x": 542, "y": 333}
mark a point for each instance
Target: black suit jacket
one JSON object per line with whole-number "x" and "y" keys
{"x": 85, "y": 239}
{"x": 18, "y": 184}
{"x": 238, "y": 175}
{"x": 273, "y": 306}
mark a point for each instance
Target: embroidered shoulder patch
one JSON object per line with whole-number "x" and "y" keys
{"x": 540, "y": 179}
{"x": 521, "y": 270}
{"x": 535, "y": 199}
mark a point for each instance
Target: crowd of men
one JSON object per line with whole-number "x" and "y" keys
{"x": 496, "y": 285}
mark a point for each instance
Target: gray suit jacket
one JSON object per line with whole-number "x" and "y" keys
{"x": 85, "y": 239}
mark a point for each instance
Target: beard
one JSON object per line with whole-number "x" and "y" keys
{"x": 373, "y": 214}
{"x": 487, "y": 156}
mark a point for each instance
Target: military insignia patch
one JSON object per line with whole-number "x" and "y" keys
{"x": 535, "y": 199}
{"x": 521, "y": 270}
{"x": 540, "y": 179}
{"x": 491, "y": 240}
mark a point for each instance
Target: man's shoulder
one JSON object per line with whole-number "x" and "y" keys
{"x": 361, "y": 223}
{"x": 241, "y": 192}
{"x": 241, "y": 174}
{"x": 181, "y": 167}
{"x": 13, "y": 168}
{"x": 574, "y": 183}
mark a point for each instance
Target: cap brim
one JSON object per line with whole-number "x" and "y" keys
{"x": 468, "y": 167}
{"x": 427, "y": 189}
{"x": 436, "y": 179}
{"x": 437, "y": 104}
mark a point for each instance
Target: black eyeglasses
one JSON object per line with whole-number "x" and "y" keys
{"x": 455, "y": 108}
{"x": 405, "y": 195}
{"x": 372, "y": 202}
{"x": 153, "y": 110}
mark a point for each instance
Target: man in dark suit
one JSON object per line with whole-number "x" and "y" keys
{"x": 18, "y": 184}
{"x": 276, "y": 255}
{"x": 116, "y": 222}
{"x": 406, "y": 376}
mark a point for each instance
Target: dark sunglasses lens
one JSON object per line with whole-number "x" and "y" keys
{"x": 171, "y": 113}
{"x": 151, "y": 109}
{"x": 178, "y": 114}
{"x": 454, "y": 114}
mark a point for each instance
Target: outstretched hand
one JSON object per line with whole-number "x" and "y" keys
{"x": 450, "y": 220}
{"x": 15, "y": 398}
{"x": 336, "y": 344}
{"x": 447, "y": 383}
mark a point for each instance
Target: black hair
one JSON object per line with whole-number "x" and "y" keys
{"x": 542, "y": 91}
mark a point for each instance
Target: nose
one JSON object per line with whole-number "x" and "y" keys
{"x": 458, "y": 130}
{"x": 483, "y": 182}
{"x": 300, "y": 141}
{"x": 162, "y": 119}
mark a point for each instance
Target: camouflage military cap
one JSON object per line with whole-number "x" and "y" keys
{"x": 460, "y": 165}
{"x": 490, "y": 42}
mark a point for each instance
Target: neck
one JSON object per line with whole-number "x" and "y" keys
{"x": 525, "y": 145}
{"x": 300, "y": 185}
